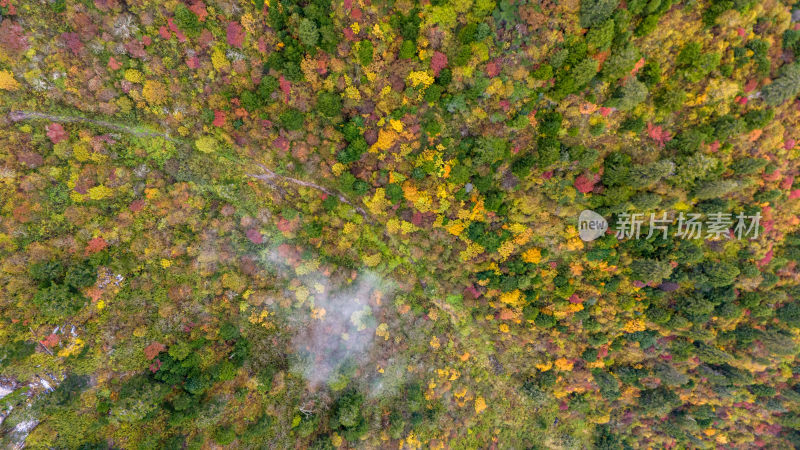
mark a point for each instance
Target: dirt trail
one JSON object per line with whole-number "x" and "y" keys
{"x": 17, "y": 116}
{"x": 269, "y": 176}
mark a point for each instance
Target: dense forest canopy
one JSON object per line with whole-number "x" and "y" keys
{"x": 314, "y": 224}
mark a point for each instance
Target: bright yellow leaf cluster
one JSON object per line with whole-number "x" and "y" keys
{"x": 420, "y": 77}
{"x": 634, "y": 325}
{"x": 352, "y": 93}
{"x": 532, "y": 256}
{"x": 7, "y": 81}
{"x": 218, "y": 60}
{"x": 506, "y": 249}
{"x": 206, "y": 144}
{"x": 100, "y": 192}
{"x": 154, "y": 92}
{"x": 383, "y": 331}
{"x": 564, "y": 364}
{"x": 134, "y": 76}
{"x": 455, "y": 228}
{"x": 473, "y": 249}
{"x": 378, "y": 202}
{"x": 386, "y": 139}
{"x": 480, "y": 405}
{"x": 513, "y": 298}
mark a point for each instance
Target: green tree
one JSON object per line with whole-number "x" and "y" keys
{"x": 650, "y": 270}
{"x": 720, "y": 273}
{"x": 784, "y": 88}
{"x": 621, "y": 61}
{"x": 307, "y": 30}
{"x": 715, "y": 189}
{"x": 595, "y": 12}
{"x": 600, "y": 37}
{"x": 629, "y": 95}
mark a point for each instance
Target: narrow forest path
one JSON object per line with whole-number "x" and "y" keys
{"x": 269, "y": 176}
{"x": 18, "y": 116}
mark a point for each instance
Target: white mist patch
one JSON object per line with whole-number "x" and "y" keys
{"x": 5, "y": 391}
{"x": 334, "y": 327}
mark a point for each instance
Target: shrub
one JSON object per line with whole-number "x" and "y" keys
{"x": 266, "y": 87}
{"x": 353, "y": 151}
{"x": 364, "y": 50}
{"x": 80, "y": 275}
{"x": 616, "y": 169}
{"x": 187, "y": 21}
{"x": 407, "y": 49}
{"x": 292, "y": 119}
{"x": 543, "y": 72}
{"x": 57, "y": 301}
{"x": 329, "y": 104}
